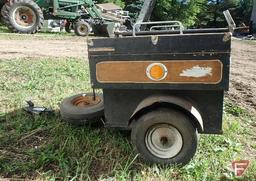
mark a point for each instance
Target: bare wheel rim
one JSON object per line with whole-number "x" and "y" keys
{"x": 24, "y": 17}
{"x": 83, "y": 29}
{"x": 86, "y": 101}
{"x": 163, "y": 141}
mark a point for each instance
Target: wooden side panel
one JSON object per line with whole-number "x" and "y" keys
{"x": 178, "y": 72}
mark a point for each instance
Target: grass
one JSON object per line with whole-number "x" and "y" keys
{"x": 38, "y": 36}
{"x": 44, "y": 147}
{"x": 6, "y": 34}
{"x": 3, "y": 29}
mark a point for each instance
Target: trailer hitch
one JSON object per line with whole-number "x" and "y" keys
{"x": 37, "y": 110}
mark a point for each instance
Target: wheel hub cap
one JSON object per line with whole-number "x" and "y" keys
{"x": 24, "y": 17}
{"x": 83, "y": 29}
{"x": 164, "y": 141}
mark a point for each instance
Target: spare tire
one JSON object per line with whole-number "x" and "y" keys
{"x": 82, "y": 109}
{"x": 23, "y": 16}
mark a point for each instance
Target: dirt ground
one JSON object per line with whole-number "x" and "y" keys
{"x": 243, "y": 68}
{"x": 243, "y": 75}
{"x": 72, "y": 47}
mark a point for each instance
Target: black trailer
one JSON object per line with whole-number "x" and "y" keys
{"x": 165, "y": 86}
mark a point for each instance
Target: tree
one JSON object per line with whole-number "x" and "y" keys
{"x": 195, "y": 13}
{"x": 121, "y": 3}
{"x": 253, "y": 17}
{"x": 212, "y": 15}
{"x": 184, "y": 11}
{"x": 245, "y": 10}
{"x": 134, "y": 8}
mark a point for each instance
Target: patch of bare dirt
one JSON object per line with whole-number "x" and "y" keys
{"x": 243, "y": 75}
{"x": 73, "y": 47}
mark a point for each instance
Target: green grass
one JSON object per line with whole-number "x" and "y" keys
{"x": 3, "y": 29}
{"x": 43, "y": 147}
{"x": 6, "y": 34}
{"x": 38, "y": 36}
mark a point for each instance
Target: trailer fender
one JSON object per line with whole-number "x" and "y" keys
{"x": 171, "y": 101}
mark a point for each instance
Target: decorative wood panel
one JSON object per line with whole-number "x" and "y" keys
{"x": 179, "y": 71}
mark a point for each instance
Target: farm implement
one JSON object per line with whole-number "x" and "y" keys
{"x": 27, "y": 16}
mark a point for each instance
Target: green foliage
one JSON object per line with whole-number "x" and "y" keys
{"x": 134, "y": 8}
{"x": 3, "y": 28}
{"x": 212, "y": 12}
{"x": 193, "y": 13}
{"x": 244, "y": 10}
{"x": 253, "y": 17}
{"x": 212, "y": 16}
{"x": 175, "y": 10}
{"x": 120, "y": 3}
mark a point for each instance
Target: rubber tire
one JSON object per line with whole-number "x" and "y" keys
{"x": 165, "y": 116}
{"x": 68, "y": 27}
{"x": 77, "y": 26}
{"x": 10, "y": 7}
{"x": 4, "y": 18}
{"x": 78, "y": 115}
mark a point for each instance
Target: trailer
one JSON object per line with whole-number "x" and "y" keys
{"x": 165, "y": 86}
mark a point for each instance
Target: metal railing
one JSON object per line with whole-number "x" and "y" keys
{"x": 160, "y": 25}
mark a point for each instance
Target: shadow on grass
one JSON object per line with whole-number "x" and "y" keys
{"x": 44, "y": 146}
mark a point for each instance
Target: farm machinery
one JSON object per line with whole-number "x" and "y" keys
{"x": 27, "y": 16}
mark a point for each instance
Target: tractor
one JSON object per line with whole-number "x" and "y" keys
{"x": 27, "y": 16}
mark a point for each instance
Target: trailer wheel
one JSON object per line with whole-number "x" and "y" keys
{"x": 164, "y": 136}
{"x": 23, "y": 16}
{"x": 82, "y": 28}
{"x": 82, "y": 109}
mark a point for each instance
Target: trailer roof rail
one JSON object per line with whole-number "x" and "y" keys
{"x": 159, "y": 25}
{"x": 230, "y": 21}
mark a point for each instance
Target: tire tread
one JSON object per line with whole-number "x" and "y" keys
{"x": 6, "y": 10}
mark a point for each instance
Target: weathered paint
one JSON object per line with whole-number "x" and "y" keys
{"x": 179, "y": 71}
{"x": 197, "y": 71}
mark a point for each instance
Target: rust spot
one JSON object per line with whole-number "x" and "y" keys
{"x": 86, "y": 101}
